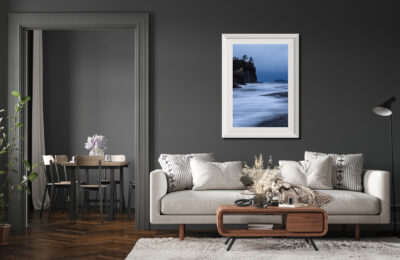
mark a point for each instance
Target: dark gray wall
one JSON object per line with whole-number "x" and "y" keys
{"x": 348, "y": 64}
{"x": 88, "y": 89}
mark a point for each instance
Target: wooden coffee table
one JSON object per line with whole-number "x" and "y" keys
{"x": 306, "y": 222}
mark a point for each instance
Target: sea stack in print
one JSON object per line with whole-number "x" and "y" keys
{"x": 260, "y": 85}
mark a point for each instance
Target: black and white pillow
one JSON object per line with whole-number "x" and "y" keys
{"x": 177, "y": 168}
{"x": 347, "y": 169}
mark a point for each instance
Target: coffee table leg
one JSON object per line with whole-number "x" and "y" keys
{"x": 231, "y": 244}
{"x": 307, "y": 241}
{"x": 313, "y": 244}
{"x": 227, "y": 241}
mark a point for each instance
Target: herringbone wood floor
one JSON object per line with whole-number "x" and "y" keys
{"x": 87, "y": 239}
{"x": 57, "y": 238}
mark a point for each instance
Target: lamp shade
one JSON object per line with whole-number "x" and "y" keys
{"x": 384, "y": 109}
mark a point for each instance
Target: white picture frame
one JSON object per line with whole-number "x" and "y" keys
{"x": 292, "y": 129}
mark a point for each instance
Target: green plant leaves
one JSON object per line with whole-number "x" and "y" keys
{"x": 2, "y": 172}
{"x": 35, "y": 165}
{"x": 25, "y": 99}
{"x": 27, "y": 165}
{"x": 19, "y": 125}
{"x": 15, "y": 93}
{"x": 32, "y": 176}
{"x": 3, "y": 152}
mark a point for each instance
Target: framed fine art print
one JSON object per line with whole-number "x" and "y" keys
{"x": 260, "y": 86}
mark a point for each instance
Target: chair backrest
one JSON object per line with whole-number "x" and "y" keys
{"x": 59, "y": 159}
{"x": 90, "y": 161}
{"x": 48, "y": 162}
{"x": 118, "y": 158}
{"x": 87, "y": 160}
{"x": 48, "y": 159}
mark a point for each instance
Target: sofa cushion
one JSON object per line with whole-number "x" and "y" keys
{"x": 351, "y": 203}
{"x": 216, "y": 175}
{"x": 205, "y": 202}
{"x": 314, "y": 173}
{"x": 189, "y": 202}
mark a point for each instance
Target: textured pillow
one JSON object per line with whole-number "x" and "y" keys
{"x": 215, "y": 175}
{"x": 315, "y": 174}
{"x": 346, "y": 170}
{"x": 177, "y": 169}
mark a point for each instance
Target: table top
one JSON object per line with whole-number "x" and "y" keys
{"x": 233, "y": 209}
{"x": 103, "y": 164}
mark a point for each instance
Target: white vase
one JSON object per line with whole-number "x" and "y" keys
{"x": 96, "y": 151}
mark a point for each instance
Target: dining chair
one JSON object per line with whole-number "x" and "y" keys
{"x": 53, "y": 183}
{"x": 64, "y": 177}
{"x": 105, "y": 180}
{"x": 132, "y": 186}
{"x": 95, "y": 162}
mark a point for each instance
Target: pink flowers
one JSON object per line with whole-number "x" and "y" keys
{"x": 96, "y": 140}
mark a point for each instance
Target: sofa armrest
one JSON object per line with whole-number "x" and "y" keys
{"x": 377, "y": 183}
{"x": 158, "y": 188}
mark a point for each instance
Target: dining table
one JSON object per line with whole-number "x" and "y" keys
{"x": 112, "y": 166}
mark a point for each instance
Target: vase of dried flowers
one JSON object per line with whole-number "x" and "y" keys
{"x": 96, "y": 144}
{"x": 262, "y": 178}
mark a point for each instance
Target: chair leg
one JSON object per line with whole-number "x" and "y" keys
{"x": 101, "y": 206}
{"x": 55, "y": 200}
{"x": 357, "y": 232}
{"x": 51, "y": 201}
{"x": 64, "y": 201}
{"x": 129, "y": 202}
{"x": 181, "y": 231}
{"x": 83, "y": 203}
{"x": 115, "y": 197}
{"x": 44, "y": 196}
{"x": 95, "y": 202}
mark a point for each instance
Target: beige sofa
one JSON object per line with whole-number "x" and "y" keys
{"x": 372, "y": 206}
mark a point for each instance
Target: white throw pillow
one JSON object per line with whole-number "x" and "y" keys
{"x": 314, "y": 174}
{"x": 215, "y": 175}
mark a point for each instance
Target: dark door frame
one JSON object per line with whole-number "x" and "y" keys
{"x": 19, "y": 24}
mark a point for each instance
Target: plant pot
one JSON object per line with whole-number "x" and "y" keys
{"x": 4, "y": 234}
{"x": 260, "y": 201}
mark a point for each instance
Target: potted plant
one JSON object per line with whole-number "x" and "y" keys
{"x": 9, "y": 139}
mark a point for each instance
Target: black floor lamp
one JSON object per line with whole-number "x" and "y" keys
{"x": 385, "y": 109}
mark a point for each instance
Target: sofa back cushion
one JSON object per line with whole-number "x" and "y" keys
{"x": 215, "y": 175}
{"x": 177, "y": 169}
{"x": 346, "y": 170}
{"x": 314, "y": 174}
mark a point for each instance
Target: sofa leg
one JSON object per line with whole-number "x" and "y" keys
{"x": 344, "y": 230}
{"x": 181, "y": 231}
{"x": 357, "y": 232}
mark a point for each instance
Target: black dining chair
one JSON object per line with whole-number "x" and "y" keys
{"x": 106, "y": 180}
{"x": 84, "y": 189}
{"x": 63, "y": 177}
{"x": 53, "y": 183}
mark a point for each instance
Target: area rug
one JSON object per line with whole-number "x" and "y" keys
{"x": 264, "y": 248}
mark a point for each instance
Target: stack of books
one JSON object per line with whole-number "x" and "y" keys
{"x": 294, "y": 205}
{"x": 260, "y": 226}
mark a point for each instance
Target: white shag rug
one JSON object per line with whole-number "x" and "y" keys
{"x": 265, "y": 248}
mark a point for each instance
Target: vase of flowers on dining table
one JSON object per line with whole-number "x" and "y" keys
{"x": 96, "y": 144}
